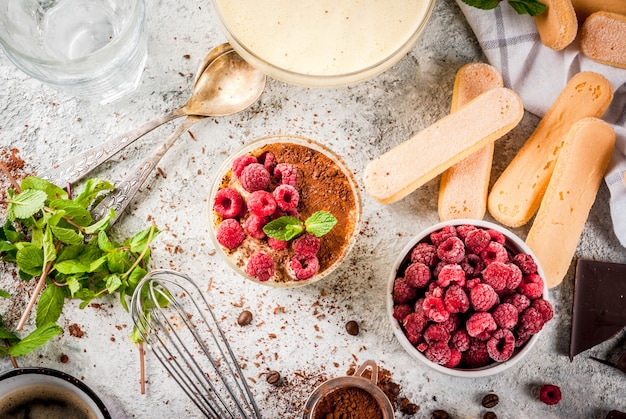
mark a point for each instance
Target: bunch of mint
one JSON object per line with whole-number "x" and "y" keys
{"x": 51, "y": 235}
{"x": 530, "y": 7}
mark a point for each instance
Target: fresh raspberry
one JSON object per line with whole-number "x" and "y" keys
{"x": 228, "y": 203}
{"x": 436, "y": 333}
{"x": 460, "y": 340}
{"x": 286, "y": 174}
{"x": 255, "y": 177}
{"x": 401, "y": 311}
{"x": 496, "y": 236}
{"x": 531, "y": 286}
{"x": 550, "y": 394}
{"x": 463, "y": 230}
{"x": 544, "y": 308}
{"x": 276, "y": 244}
{"x": 476, "y": 356}
{"x": 530, "y": 321}
{"x": 268, "y": 160}
{"x": 453, "y": 322}
{"x": 424, "y": 253}
{"x": 287, "y": 197}
{"x": 501, "y": 345}
{"x": 254, "y": 226}
{"x": 456, "y": 300}
{"x": 414, "y": 324}
{"x": 261, "y": 203}
{"x": 304, "y": 267}
{"x": 455, "y": 358}
{"x": 477, "y": 240}
{"x": 451, "y": 274}
{"x": 230, "y": 233}
{"x": 494, "y": 252}
{"x": 483, "y": 297}
{"x": 435, "y": 310}
{"x": 452, "y": 250}
{"x": 526, "y": 263}
{"x": 505, "y": 315}
{"x": 417, "y": 275}
{"x": 481, "y": 325}
{"x": 438, "y": 237}
{"x": 520, "y": 301}
{"x": 402, "y": 292}
{"x": 472, "y": 265}
{"x": 439, "y": 353}
{"x": 261, "y": 266}
{"x": 240, "y": 162}
{"x": 306, "y": 245}
{"x": 496, "y": 275}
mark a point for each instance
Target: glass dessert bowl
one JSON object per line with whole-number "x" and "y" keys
{"x": 284, "y": 211}
{"x": 322, "y": 43}
{"x": 467, "y": 298}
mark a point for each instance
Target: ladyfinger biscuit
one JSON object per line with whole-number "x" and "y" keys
{"x": 557, "y": 26}
{"x": 406, "y": 167}
{"x": 603, "y": 38}
{"x": 584, "y": 8}
{"x": 464, "y": 186}
{"x": 517, "y": 193}
{"x": 578, "y": 172}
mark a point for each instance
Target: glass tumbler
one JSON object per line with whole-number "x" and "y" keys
{"x": 92, "y": 49}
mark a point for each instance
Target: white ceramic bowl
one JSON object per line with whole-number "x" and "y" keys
{"x": 513, "y": 243}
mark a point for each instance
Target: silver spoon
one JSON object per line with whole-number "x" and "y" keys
{"x": 225, "y": 84}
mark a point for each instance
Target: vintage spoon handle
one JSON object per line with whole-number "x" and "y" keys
{"x": 77, "y": 166}
{"x": 124, "y": 192}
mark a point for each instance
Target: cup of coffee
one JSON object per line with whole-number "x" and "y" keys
{"x": 47, "y": 394}
{"x": 92, "y": 49}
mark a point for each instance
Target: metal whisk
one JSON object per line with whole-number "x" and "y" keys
{"x": 175, "y": 320}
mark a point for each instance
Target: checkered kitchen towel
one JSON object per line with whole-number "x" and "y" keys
{"x": 538, "y": 74}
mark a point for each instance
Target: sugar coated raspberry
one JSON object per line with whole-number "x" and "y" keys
{"x": 451, "y": 274}
{"x": 403, "y": 292}
{"x": 494, "y": 252}
{"x": 472, "y": 265}
{"x": 455, "y": 358}
{"x": 434, "y": 290}
{"x": 255, "y": 177}
{"x": 438, "y": 237}
{"x": 436, "y": 333}
{"x": 496, "y": 274}
{"x": 521, "y": 338}
{"x": 452, "y": 250}
{"x": 261, "y": 266}
{"x": 286, "y": 174}
{"x": 501, "y": 345}
{"x": 476, "y": 356}
{"x": 276, "y": 244}
{"x": 463, "y": 230}
{"x": 496, "y": 236}
{"x": 460, "y": 340}
{"x": 228, "y": 203}
{"x": 230, "y": 233}
{"x": 526, "y": 263}
{"x": 520, "y": 301}
{"x": 435, "y": 310}
{"x": 424, "y": 253}
{"x": 483, "y": 297}
{"x": 456, "y": 299}
{"x": 304, "y": 267}
{"x": 550, "y": 394}
{"x": 268, "y": 160}
{"x": 240, "y": 162}
{"x": 453, "y": 322}
{"x": 531, "y": 286}
{"x": 505, "y": 315}
{"x": 254, "y": 226}
{"x": 481, "y": 325}
{"x": 439, "y": 353}
{"x": 414, "y": 324}
{"x": 544, "y": 308}
{"x": 306, "y": 245}
{"x": 477, "y": 240}
{"x": 515, "y": 277}
{"x": 530, "y": 321}
{"x": 287, "y": 197}
{"x": 401, "y": 311}
{"x": 417, "y": 275}
{"x": 261, "y": 203}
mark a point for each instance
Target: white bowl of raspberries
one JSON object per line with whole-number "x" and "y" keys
{"x": 468, "y": 298}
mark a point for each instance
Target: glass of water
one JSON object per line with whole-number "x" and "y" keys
{"x": 93, "y": 49}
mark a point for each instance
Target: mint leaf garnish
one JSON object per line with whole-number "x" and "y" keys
{"x": 320, "y": 223}
{"x": 284, "y": 228}
{"x": 482, "y": 4}
{"x": 530, "y": 7}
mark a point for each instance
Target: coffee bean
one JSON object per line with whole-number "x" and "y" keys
{"x": 352, "y": 328}
{"x": 490, "y": 415}
{"x": 440, "y": 414}
{"x": 273, "y": 377}
{"x": 245, "y": 318}
{"x": 391, "y": 388}
{"x": 407, "y": 407}
{"x": 490, "y": 400}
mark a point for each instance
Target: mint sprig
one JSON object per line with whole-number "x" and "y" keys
{"x": 287, "y": 228}
{"x": 530, "y": 7}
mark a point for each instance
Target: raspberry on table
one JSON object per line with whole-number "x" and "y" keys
{"x": 306, "y": 245}
{"x": 240, "y": 162}
{"x": 456, "y": 299}
{"x": 254, "y": 226}
{"x": 287, "y": 197}
{"x": 435, "y": 310}
{"x": 460, "y": 340}
{"x": 481, "y": 325}
{"x": 401, "y": 311}
{"x": 520, "y": 301}
{"x": 451, "y": 250}
{"x": 261, "y": 203}
{"x": 526, "y": 263}
{"x": 228, "y": 203}
{"x": 286, "y": 174}
{"x": 402, "y": 292}
{"x": 276, "y": 244}
{"x": 550, "y": 394}
{"x": 477, "y": 240}
{"x": 414, "y": 324}
{"x": 438, "y": 352}
{"x": 483, "y": 297}
{"x": 472, "y": 265}
{"x": 476, "y": 356}
{"x": 268, "y": 160}
{"x": 451, "y": 274}
{"x": 530, "y": 321}
{"x": 494, "y": 252}
{"x": 417, "y": 275}
{"x": 304, "y": 267}
{"x": 230, "y": 234}
{"x": 438, "y": 237}
{"x": 436, "y": 333}
{"x": 261, "y": 266}
{"x": 505, "y": 315}
{"x": 531, "y": 286}
{"x": 501, "y": 345}
{"x": 255, "y": 177}
{"x": 425, "y": 253}
{"x": 544, "y": 307}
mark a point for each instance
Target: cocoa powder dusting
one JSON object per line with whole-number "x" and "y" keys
{"x": 348, "y": 403}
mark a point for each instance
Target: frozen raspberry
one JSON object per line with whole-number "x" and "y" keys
{"x": 471, "y": 283}
{"x": 456, "y": 300}
{"x": 550, "y": 394}
{"x": 417, "y": 275}
{"x": 436, "y": 333}
{"x": 494, "y": 252}
{"x": 435, "y": 310}
{"x": 496, "y": 275}
{"x": 434, "y": 290}
{"x": 438, "y": 268}
{"x": 424, "y": 253}
{"x": 261, "y": 266}
{"x": 477, "y": 240}
{"x": 255, "y": 177}
{"x": 505, "y": 315}
{"x": 483, "y": 297}
{"x": 453, "y": 322}
{"x": 472, "y": 265}
{"x": 455, "y": 358}
{"x": 481, "y": 325}
{"x": 422, "y": 346}
{"x": 268, "y": 160}
{"x": 460, "y": 340}
{"x": 440, "y": 236}
{"x": 306, "y": 245}
{"x": 439, "y": 353}
{"x": 304, "y": 267}
{"x": 463, "y": 230}
{"x": 544, "y": 307}
{"x": 526, "y": 263}
{"x": 287, "y": 197}
{"x": 531, "y": 286}
{"x": 496, "y": 236}
{"x": 402, "y": 292}
{"x": 286, "y": 174}
{"x": 276, "y": 244}
{"x": 521, "y": 338}
{"x": 530, "y": 321}
{"x": 501, "y": 345}
{"x": 261, "y": 203}
{"x": 254, "y": 226}
{"x": 476, "y": 356}
{"x": 230, "y": 233}
{"x": 240, "y": 162}
{"x": 520, "y": 301}
{"x": 451, "y": 274}
{"x": 513, "y": 280}
{"x": 401, "y": 311}
{"x": 452, "y": 250}
{"x": 228, "y": 203}
{"x": 414, "y": 324}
